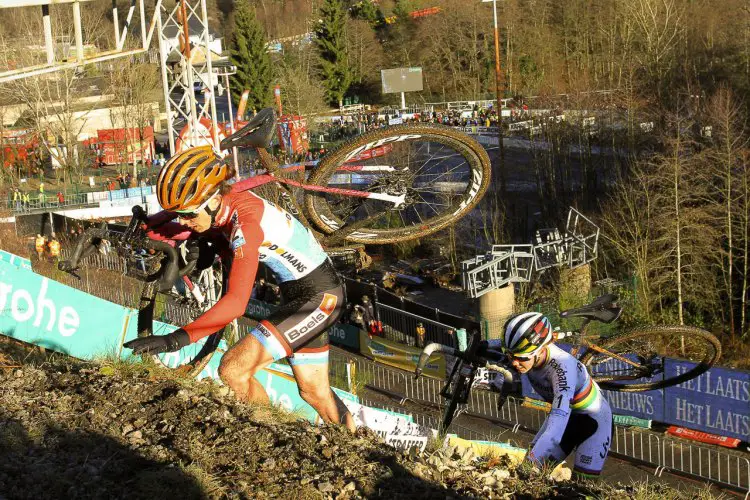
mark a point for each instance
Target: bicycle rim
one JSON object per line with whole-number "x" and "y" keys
{"x": 648, "y": 346}
{"x": 163, "y": 307}
{"x": 443, "y": 174}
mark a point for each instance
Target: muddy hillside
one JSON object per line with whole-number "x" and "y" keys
{"x": 72, "y": 429}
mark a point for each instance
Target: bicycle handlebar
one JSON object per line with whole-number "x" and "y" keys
{"x": 132, "y": 238}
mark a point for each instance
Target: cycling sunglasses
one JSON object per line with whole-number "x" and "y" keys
{"x": 194, "y": 212}
{"x": 522, "y": 359}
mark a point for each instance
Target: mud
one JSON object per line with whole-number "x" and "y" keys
{"x": 108, "y": 429}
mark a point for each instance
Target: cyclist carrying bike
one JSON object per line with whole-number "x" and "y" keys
{"x": 245, "y": 229}
{"x": 580, "y": 417}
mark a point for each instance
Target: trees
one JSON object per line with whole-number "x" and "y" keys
{"x": 331, "y": 41}
{"x": 249, "y": 54}
{"x": 135, "y": 91}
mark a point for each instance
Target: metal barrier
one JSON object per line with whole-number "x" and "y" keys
{"x": 722, "y": 467}
{"x": 49, "y": 202}
{"x": 401, "y": 326}
{"x": 714, "y": 464}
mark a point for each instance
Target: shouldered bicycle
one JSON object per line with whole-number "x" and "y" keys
{"x": 385, "y": 186}
{"x": 631, "y": 361}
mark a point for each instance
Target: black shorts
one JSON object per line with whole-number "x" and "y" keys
{"x": 298, "y": 329}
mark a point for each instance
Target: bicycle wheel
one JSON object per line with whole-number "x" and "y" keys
{"x": 648, "y": 347}
{"x": 199, "y": 355}
{"x": 441, "y": 173}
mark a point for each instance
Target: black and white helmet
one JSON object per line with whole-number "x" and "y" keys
{"x": 526, "y": 332}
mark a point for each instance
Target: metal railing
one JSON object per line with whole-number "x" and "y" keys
{"x": 48, "y": 202}
{"x": 401, "y": 326}
{"x": 726, "y": 468}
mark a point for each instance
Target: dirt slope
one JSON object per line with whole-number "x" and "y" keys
{"x": 70, "y": 429}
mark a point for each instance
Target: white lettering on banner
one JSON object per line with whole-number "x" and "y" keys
{"x": 728, "y": 421}
{"x": 337, "y": 332}
{"x": 723, "y": 386}
{"x": 19, "y": 313}
{"x": 688, "y": 412}
{"x": 256, "y": 309}
{"x": 630, "y": 401}
{"x": 721, "y": 420}
{"x": 22, "y": 309}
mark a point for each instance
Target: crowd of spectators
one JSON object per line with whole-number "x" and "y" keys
{"x": 348, "y": 126}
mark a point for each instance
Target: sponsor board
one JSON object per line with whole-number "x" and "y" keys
{"x": 703, "y": 437}
{"x": 15, "y": 260}
{"x": 44, "y": 312}
{"x": 257, "y": 309}
{"x": 717, "y": 402}
{"x": 345, "y": 335}
{"x": 400, "y": 356}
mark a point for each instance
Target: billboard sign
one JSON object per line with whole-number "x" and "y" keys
{"x": 401, "y": 80}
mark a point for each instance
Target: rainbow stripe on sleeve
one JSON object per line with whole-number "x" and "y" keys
{"x": 586, "y": 397}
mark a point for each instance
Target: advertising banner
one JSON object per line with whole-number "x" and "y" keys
{"x": 44, "y": 312}
{"x": 257, "y": 309}
{"x": 400, "y": 356}
{"x": 344, "y": 335}
{"x": 717, "y": 402}
{"x": 703, "y": 437}
{"x": 15, "y": 260}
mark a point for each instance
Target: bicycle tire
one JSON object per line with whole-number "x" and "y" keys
{"x": 710, "y": 344}
{"x": 319, "y": 211}
{"x": 195, "y": 365}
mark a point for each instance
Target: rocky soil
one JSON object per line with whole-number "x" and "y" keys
{"x": 72, "y": 429}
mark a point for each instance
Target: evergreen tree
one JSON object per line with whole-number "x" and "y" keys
{"x": 331, "y": 43}
{"x": 368, "y": 11}
{"x": 248, "y": 52}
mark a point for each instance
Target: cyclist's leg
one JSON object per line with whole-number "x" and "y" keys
{"x": 592, "y": 452}
{"x": 246, "y": 358}
{"x": 310, "y": 367}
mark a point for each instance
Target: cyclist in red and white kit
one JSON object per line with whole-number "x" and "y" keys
{"x": 245, "y": 229}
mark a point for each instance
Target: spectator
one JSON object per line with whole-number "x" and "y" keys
{"x": 420, "y": 335}
{"x": 42, "y": 197}
{"x": 26, "y": 201}
{"x": 259, "y": 290}
{"x": 54, "y": 248}
{"x": 17, "y": 199}
{"x": 60, "y": 199}
{"x": 40, "y": 243}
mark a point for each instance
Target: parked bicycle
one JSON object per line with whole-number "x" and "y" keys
{"x": 385, "y": 186}
{"x": 632, "y": 361}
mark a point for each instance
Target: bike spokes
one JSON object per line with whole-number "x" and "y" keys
{"x": 428, "y": 177}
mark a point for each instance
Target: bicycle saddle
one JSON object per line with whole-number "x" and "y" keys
{"x": 602, "y": 309}
{"x": 257, "y": 133}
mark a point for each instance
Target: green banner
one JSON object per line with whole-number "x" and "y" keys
{"x": 632, "y": 421}
{"x": 257, "y": 309}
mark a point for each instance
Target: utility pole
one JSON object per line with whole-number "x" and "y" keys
{"x": 499, "y": 92}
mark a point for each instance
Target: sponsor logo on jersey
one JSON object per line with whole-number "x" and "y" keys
{"x": 263, "y": 329}
{"x": 562, "y": 377}
{"x": 586, "y": 459}
{"x": 286, "y": 255}
{"x": 237, "y": 241}
{"x": 321, "y": 314}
